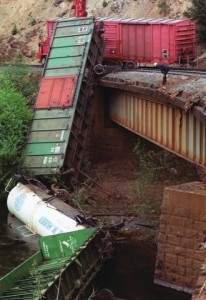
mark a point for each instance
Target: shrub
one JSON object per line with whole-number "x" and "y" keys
{"x": 164, "y": 7}
{"x": 154, "y": 163}
{"x": 25, "y": 82}
{"x": 14, "y": 30}
{"x": 158, "y": 168}
{"x": 15, "y": 116}
{"x": 196, "y": 11}
{"x": 104, "y": 3}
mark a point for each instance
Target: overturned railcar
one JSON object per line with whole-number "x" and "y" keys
{"x": 70, "y": 254}
{"x": 63, "y": 268}
{"x": 63, "y": 105}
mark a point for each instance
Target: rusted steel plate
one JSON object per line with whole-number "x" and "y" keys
{"x": 164, "y": 125}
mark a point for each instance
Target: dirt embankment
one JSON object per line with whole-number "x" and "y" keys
{"x": 22, "y": 22}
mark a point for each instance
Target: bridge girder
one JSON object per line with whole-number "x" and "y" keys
{"x": 159, "y": 118}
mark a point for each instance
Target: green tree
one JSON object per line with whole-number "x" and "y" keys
{"x": 197, "y": 12}
{"x": 15, "y": 116}
{"x": 104, "y": 3}
{"x": 25, "y": 82}
{"x": 14, "y": 30}
{"x": 164, "y": 7}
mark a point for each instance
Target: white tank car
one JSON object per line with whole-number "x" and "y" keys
{"x": 38, "y": 215}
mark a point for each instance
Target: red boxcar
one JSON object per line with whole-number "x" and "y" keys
{"x": 149, "y": 40}
{"x": 133, "y": 41}
{"x": 44, "y": 44}
{"x": 50, "y": 26}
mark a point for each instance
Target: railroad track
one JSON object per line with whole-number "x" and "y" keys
{"x": 174, "y": 71}
{"x": 106, "y": 69}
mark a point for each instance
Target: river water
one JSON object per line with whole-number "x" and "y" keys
{"x": 129, "y": 274}
{"x": 14, "y": 249}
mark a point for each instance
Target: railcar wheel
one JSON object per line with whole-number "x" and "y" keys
{"x": 130, "y": 65}
{"x": 99, "y": 69}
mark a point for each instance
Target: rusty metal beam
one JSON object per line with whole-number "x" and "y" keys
{"x": 160, "y": 119}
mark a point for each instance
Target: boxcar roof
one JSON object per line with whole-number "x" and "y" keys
{"x": 142, "y": 20}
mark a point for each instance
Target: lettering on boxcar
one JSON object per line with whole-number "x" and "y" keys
{"x": 83, "y": 29}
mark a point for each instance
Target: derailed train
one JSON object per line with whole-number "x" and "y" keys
{"x": 76, "y": 46}
{"x": 63, "y": 107}
{"x": 68, "y": 254}
{"x": 135, "y": 41}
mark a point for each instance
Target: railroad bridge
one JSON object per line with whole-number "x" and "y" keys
{"x": 174, "y": 118}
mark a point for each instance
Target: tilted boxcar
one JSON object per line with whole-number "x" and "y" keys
{"x": 149, "y": 40}
{"x": 62, "y": 110}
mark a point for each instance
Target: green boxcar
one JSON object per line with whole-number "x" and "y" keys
{"x": 65, "y": 266}
{"x": 48, "y": 138}
{"x": 63, "y": 106}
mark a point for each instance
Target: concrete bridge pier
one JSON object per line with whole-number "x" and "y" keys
{"x": 182, "y": 237}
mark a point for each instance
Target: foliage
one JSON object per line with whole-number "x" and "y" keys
{"x": 154, "y": 164}
{"x": 15, "y": 116}
{"x": 157, "y": 168}
{"x": 14, "y": 30}
{"x": 36, "y": 274}
{"x": 104, "y": 3}
{"x": 25, "y": 82}
{"x": 197, "y": 12}
{"x": 79, "y": 196}
{"x": 92, "y": 295}
{"x": 164, "y": 7}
